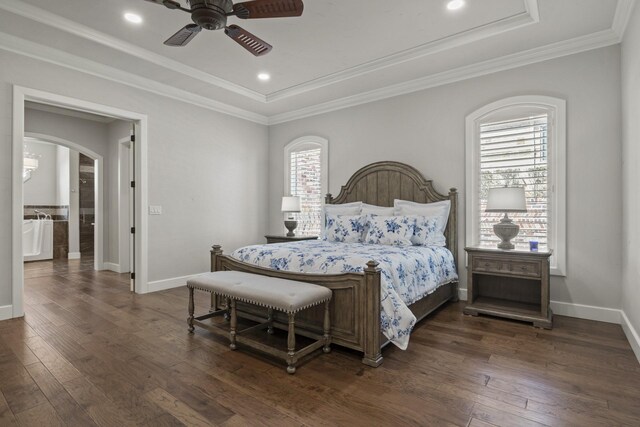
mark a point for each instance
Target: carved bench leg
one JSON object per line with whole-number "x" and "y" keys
{"x": 227, "y": 315}
{"x": 291, "y": 345}
{"x": 234, "y": 324}
{"x": 270, "y": 322}
{"x": 191, "y": 310}
{"x": 327, "y": 329}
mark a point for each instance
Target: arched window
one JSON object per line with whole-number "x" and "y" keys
{"x": 519, "y": 141}
{"x": 305, "y": 175}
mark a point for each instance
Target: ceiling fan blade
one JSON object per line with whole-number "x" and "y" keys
{"x": 248, "y": 41}
{"x": 268, "y": 9}
{"x": 184, "y": 36}
{"x": 170, "y": 4}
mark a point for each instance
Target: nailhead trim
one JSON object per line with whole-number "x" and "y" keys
{"x": 259, "y": 303}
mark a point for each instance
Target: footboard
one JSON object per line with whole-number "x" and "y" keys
{"x": 355, "y": 307}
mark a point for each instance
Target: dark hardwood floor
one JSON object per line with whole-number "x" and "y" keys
{"x": 88, "y": 352}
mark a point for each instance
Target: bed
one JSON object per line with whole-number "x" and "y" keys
{"x": 358, "y": 308}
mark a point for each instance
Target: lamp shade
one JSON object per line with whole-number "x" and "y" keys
{"x": 506, "y": 199}
{"x": 291, "y": 204}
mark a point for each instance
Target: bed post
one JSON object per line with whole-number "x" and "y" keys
{"x": 372, "y": 354}
{"x": 216, "y": 250}
{"x": 328, "y": 198}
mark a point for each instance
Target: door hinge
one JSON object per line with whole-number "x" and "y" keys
{"x": 133, "y": 184}
{"x": 133, "y": 276}
{"x": 133, "y": 138}
{"x": 133, "y": 230}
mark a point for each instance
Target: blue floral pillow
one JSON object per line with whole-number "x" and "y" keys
{"x": 389, "y": 230}
{"x": 344, "y": 228}
{"x": 427, "y": 232}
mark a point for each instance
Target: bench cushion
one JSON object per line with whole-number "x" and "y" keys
{"x": 285, "y": 295}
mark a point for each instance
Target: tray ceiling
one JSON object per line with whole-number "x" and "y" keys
{"x": 337, "y": 50}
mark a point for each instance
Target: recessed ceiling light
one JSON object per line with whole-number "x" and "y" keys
{"x": 133, "y": 17}
{"x": 264, "y": 77}
{"x": 455, "y": 4}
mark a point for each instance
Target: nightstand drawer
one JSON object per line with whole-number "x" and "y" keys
{"x": 506, "y": 266}
{"x": 525, "y": 268}
{"x": 487, "y": 264}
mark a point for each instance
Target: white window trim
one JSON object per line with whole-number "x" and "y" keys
{"x": 303, "y": 143}
{"x": 557, "y": 109}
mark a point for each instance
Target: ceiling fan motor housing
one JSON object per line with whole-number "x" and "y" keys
{"x": 210, "y": 14}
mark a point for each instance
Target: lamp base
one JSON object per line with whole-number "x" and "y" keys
{"x": 291, "y": 226}
{"x": 506, "y": 230}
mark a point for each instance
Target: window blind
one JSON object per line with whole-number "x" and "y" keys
{"x": 306, "y": 182}
{"x": 514, "y": 153}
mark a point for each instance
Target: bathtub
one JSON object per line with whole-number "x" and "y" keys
{"x": 37, "y": 239}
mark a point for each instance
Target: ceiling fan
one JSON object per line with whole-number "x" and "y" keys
{"x": 212, "y": 15}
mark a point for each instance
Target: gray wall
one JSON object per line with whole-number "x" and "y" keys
{"x": 427, "y": 130}
{"x": 207, "y": 170}
{"x": 631, "y": 174}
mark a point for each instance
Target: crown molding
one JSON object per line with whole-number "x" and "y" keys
{"x": 56, "y": 21}
{"x": 54, "y": 56}
{"x": 544, "y": 53}
{"x": 528, "y": 17}
{"x": 624, "y": 8}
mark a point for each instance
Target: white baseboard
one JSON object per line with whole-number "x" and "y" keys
{"x": 6, "y": 312}
{"x": 73, "y": 255}
{"x": 462, "y": 294}
{"x": 631, "y": 333}
{"x": 589, "y": 312}
{"x": 174, "y": 282}
{"x": 111, "y": 266}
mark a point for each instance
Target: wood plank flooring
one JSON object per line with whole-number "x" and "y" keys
{"x": 88, "y": 352}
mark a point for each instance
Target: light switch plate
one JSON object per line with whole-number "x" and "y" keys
{"x": 155, "y": 210}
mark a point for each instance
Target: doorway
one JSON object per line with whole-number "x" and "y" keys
{"x": 139, "y": 248}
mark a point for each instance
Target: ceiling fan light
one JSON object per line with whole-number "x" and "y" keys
{"x": 455, "y": 4}
{"x": 133, "y": 18}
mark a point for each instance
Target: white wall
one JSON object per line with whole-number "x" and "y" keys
{"x": 630, "y": 170}
{"x": 426, "y": 130}
{"x": 62, "y": 184}
{"x": 42, "y": 188}
{"x": 207, "y": 170}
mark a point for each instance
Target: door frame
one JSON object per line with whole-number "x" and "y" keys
{"x": 98, "y": 230}
{"x": 22, "y": 94}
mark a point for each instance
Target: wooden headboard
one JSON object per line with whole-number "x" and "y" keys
{"x": 381, "y": 182}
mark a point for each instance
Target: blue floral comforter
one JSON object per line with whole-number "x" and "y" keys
{"x": 408, "y": 273}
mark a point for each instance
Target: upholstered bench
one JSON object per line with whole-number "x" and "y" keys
{"x": 287, "y": 296}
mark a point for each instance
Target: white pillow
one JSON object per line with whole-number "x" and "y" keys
{"x": 352, "y": 208}
{"x": 389, "y": 230}
{"x": 376, "y": 210}
{"x": 426, "y": 233}
{"x": 439, "y": 210}
{"x": 344, "y": 228}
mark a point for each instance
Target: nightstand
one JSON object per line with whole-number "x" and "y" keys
{"x": 509, "y": 283}
{"x": 284, "y": 238}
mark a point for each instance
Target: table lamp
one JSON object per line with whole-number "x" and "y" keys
{"x": 290, "y": 204}
{"x": 506, "y": 199}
